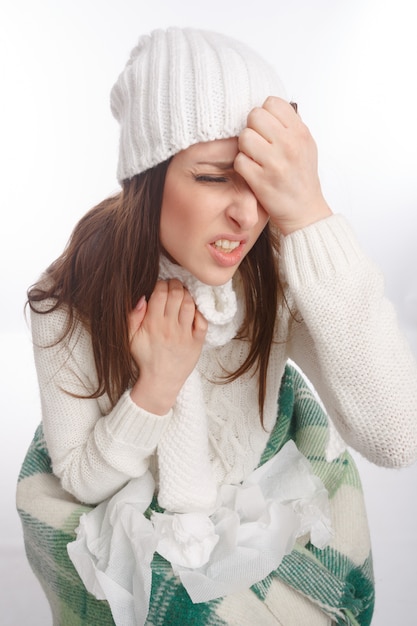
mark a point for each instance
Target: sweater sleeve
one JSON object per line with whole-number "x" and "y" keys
{"x": 347, "y": 340}
{"x": 94, "y": 449}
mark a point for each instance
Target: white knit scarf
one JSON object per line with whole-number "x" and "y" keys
{"x": 186, "y": 482}
{"x": 217, "y": 304}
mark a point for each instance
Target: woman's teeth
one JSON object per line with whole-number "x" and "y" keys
{"x": 225, "y": 245}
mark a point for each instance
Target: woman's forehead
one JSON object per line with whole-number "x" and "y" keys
{"x": 220, "y": 151}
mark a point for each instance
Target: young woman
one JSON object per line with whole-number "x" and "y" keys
{"x": 162, "y": 332}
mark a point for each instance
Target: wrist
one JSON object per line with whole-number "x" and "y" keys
{"x": 289, "y": 226}
{"x": 152, "y": 397}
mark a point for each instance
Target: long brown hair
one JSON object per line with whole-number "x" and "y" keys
{"x": 112, "y": 259}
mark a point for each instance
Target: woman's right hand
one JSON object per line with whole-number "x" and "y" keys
{"x": 166, "y": 339}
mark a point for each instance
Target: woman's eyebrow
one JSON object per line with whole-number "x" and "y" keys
{"x": 221, "y": 165}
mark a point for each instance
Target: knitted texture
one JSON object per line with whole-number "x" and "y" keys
{"x": 311, "y": 586}
{"x": 184, "y": 86}
{"x": 343, "y": 335}
{"x": 179, "y": 489}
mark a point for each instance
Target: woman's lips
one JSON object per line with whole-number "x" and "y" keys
{"x": 227, "y": 252}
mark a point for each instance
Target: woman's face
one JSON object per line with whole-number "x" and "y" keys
{"x": 210, "y": 218}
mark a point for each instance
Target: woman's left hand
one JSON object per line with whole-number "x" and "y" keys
{"x": 278, "y": 159}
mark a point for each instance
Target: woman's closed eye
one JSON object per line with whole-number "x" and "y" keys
{"x": 208, "y": 178}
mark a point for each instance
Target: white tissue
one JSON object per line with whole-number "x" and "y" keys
{"x": 113, "y": 551}
{"x": 186, "y": 539}
{"x": 257, "y": 524}
{"x": 254, "y": 526}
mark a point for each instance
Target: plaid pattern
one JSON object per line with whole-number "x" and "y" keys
{"x": 338, "y": 580}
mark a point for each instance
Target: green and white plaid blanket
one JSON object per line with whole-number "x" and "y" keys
{"x": 338, "y": 580}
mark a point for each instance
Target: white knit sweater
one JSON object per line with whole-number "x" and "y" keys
{"x": 347, "y": 343}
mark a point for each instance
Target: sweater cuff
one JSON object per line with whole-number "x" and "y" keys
{"x": 318, "y": 251}
{"x": 135, "y": 426}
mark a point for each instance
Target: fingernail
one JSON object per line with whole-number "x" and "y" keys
{"x": 141, "y": 303}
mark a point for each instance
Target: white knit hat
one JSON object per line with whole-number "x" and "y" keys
{"x": 182, "y": 86}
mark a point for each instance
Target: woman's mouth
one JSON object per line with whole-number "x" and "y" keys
{"x": 227, "y": 252}
{"x": 225, "y": 245}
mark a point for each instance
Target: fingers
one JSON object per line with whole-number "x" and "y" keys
{"x": 285, "y": 112}
{"x": 278, "y": 160}
{"x": 248, "y": 168}
{"x": 136, "y": 316}
{"x": 267, "y": 128}
{"x": 262, "y": 123}
{"x": 179, "y": 304}
{"x": 252, "y": 145}
{"x": 272, "y": 117}
{"x": 172, "y": 305}
{"x": 200, "y": 326}
{"x": 268, "y": 123}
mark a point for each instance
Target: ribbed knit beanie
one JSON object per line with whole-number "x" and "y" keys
{"x": 182, "y": 86}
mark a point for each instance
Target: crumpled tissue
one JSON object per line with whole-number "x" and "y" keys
{"x": 113, "y": 551}
{"x": 253, "y": 527}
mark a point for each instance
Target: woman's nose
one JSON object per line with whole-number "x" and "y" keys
{"x": 243, "y": 208}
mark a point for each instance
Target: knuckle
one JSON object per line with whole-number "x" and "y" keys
{"x": 240, "y": 161}
{"x": 254, "y": 114}
{"x": 160, "y": 288}
{"x": 244, "y": 136}
{"x": 200, "y": 321}
{"x": 271, "y": 102}
{"x": 176, "y": 287}
{"x": 188, "y": 301}
{"x": 237, "y": 162}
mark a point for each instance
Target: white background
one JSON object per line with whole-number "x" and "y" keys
{"x": 351, "y": 66}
